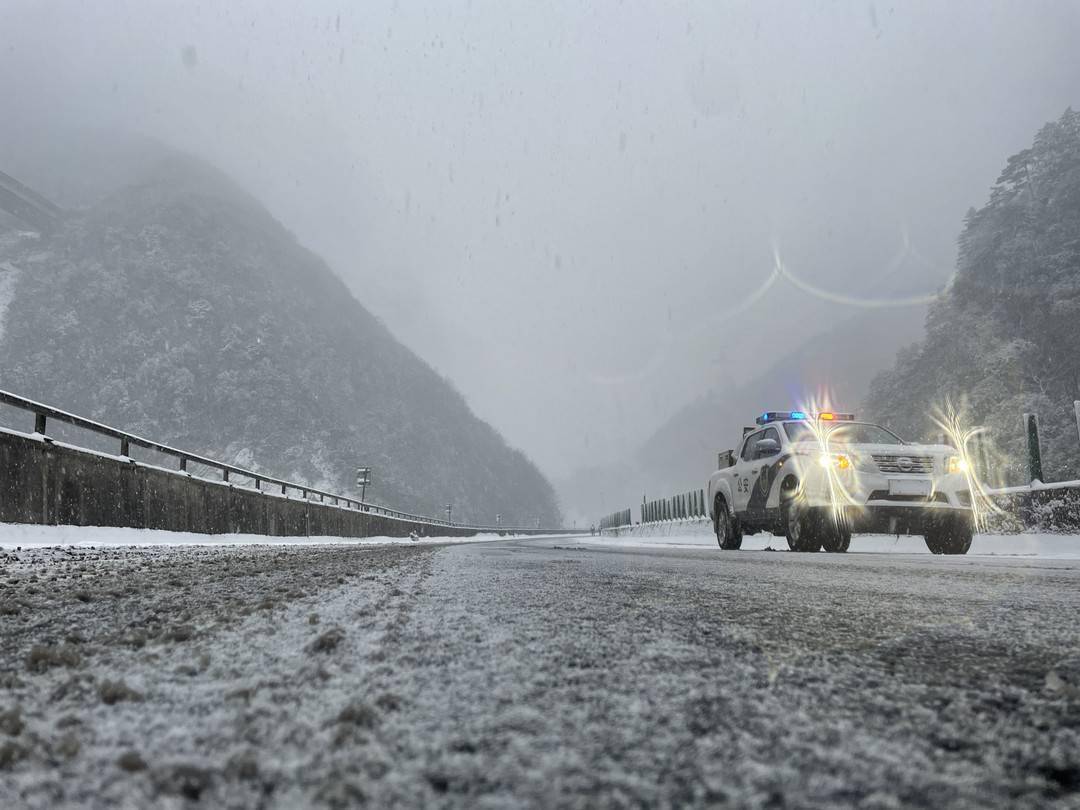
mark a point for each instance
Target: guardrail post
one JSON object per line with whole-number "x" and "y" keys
{"x": 39, "y": 423}
{"x": 183, "y": 464}
{"x": 125, "y": 448}
{"x": 1031, "y": 428}
{"x": 224, "y": 475}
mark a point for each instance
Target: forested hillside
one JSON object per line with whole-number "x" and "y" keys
{"x": 178, "y": 308}
{"x": 1005, "y": 338}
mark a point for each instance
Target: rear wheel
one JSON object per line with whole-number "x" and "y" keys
{"x": 728, "y": 537}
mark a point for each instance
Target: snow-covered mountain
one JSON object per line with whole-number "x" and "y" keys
{"x": 179, "y": 309}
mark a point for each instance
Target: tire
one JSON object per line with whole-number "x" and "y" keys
{"x": 835, "y": 532}
{"x": 950, "y": 534}
{"x": 728, "y": 536}
{"x": 802, "y": 526}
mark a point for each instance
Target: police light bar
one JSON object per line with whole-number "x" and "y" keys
{"x": 829, "y": 416}
{"x": 779, "y": 416}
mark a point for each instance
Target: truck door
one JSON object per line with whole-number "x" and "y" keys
{"x": 744, "y": 472}
{"x": 763, "y": 470}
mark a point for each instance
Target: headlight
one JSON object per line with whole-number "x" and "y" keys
{"x": 955, "y": 464}
{"x": 837, "y": 460}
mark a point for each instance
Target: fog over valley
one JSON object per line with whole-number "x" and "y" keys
{"x": 570, "y": 210}
{"x": 467, "y": 404}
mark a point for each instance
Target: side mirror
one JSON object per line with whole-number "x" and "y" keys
{"x": 767, "y": 447}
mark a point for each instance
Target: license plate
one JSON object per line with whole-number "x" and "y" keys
{"x": 909, "y": 486}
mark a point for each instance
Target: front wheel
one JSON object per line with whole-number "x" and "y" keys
{"x": 728, "y": 537}
{"x": 802, "y": 529}
{"x": 950, "y": 534}
{"x": 835, "y": 532}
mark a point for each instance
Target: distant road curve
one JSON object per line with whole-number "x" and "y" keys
{"x": 23, "y": 202}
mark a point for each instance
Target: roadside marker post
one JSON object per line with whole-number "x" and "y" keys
{"x": 363, "y": 478}
{"x": 1031, "y": 429}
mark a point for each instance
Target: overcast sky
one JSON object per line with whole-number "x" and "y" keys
{"x": 565, "y": 206}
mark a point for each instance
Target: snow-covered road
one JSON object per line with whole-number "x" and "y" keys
{"x": 1051, "y": 546}
{"x": 543, "y": 672}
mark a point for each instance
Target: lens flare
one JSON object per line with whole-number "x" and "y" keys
{"x": 837, "y": 465}
{"x": 952, "y": 422}
{"x": 849, "y": 300}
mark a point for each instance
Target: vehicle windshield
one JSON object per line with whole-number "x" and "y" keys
{"x": 847, "y": 433}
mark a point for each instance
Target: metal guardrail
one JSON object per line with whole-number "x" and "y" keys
{"x": 678, "y": 507}
{"x": 616, "y": 520}
{"x": 44, "y": 413}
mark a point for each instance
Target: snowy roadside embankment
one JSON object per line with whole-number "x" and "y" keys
{"x": 18, "y": 535}
{"x": 699, "y": 533}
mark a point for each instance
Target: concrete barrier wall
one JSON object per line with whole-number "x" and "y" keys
{"x": 47, "y": 483}
{"x": 669, "y": 528}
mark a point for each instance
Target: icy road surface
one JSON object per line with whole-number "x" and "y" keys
{"x": 570, "y": 673}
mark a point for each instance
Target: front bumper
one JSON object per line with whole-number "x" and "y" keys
{"x": 894, "y": 504}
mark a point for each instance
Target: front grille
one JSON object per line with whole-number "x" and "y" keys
{"x": 884, "y": 495}
{"x": 920, "y": 465}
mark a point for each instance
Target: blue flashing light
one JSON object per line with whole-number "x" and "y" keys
{"x": 779, "y": 416}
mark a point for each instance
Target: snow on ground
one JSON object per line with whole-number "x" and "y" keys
{"x": 27, "y": 536}
{"x": 534, "y": 674}
{"x": 698, "y": 534}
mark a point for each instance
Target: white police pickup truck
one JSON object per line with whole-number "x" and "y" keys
{"x": 816, "y": 478}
